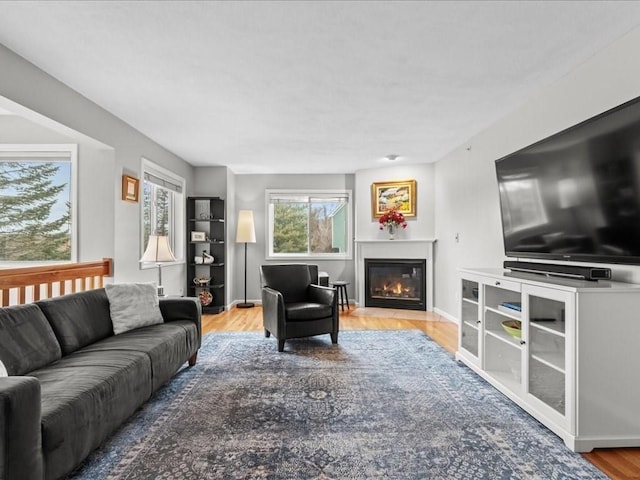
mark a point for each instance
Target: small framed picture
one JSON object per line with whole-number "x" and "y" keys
{"x": 130, "y": 188}
{"x": 198, "y": 236}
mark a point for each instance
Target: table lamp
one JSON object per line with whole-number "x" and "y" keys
{"x": 158, "y": 251}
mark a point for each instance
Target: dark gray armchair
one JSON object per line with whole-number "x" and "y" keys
{"x": 294, "y": 305}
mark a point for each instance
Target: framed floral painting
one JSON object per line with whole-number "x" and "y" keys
{"x": 400, "y": 195}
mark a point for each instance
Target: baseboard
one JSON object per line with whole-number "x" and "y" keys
{"x": 447, "y": 316}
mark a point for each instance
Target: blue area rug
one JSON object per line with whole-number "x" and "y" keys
{"x": 381, "y": 404}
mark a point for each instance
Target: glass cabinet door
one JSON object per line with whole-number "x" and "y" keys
{"x": 550, "y": 312}
{"x": 470, "y": 320}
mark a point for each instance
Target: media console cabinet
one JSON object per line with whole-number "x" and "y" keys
{"x": 574, "y": 367}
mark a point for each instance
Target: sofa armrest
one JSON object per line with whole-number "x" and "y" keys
{"x": 20, "y": 431}
{"x": 182, "y": 308}
{"x": 323, "y": 295}
{"x": 273, "y": 313}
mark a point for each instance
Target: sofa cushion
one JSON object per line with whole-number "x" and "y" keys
{"x": 133, "y": 305}
{"x": 27, "y": 341}
{"x": 167, "y": 346}
{"x": 85, "y": 397}
{"x": 78, "y": 319}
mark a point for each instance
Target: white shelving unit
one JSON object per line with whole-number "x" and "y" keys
{"x": 573, "y": 366}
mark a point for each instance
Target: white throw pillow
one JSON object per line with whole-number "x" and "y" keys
{"x": 133, "y": 305}
{"x": 3, "y": 370}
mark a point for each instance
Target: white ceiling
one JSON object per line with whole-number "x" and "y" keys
{"x": 310, "y": 87}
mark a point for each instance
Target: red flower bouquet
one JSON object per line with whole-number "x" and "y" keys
{"x": 392, "y": 219}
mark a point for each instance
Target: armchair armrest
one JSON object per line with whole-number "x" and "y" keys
{"x": 273, "y": 312}
{"x": 182, "y": 308}
{"x": 20, "y": 430}
{"x": 323, "y": 295}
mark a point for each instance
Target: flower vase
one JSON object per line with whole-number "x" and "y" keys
{"x": 391, "y": 229}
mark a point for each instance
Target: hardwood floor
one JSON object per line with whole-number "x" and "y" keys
{"x": 616, "y": 463}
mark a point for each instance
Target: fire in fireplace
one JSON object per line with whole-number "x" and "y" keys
{"x": 395, "y": 283}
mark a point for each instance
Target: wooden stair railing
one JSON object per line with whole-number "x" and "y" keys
{"x": 30, "y": 284}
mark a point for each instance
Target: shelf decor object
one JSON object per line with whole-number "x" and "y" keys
{"x": 399, "y": 196}
{"x": 246, "y": 233}
{"x": 158, "y": 251}
{"x": 198, "y": 236}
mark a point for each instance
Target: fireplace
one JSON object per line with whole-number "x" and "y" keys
{"x": 395, "y": 283}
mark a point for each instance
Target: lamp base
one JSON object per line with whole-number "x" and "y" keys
{"x": 245, "y": 305}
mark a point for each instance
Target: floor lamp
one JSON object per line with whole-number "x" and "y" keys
{"x": 158, "y": 251}
{"x": 246, "y": 234}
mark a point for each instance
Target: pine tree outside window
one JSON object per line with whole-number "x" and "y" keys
{"x": 37, "y": 207}
{"x": 310, "y": 224}
{"x": 162, "y": 207}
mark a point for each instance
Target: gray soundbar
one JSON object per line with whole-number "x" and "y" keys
{"x": 572, "y": 271}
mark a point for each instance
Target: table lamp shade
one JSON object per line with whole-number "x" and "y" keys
{"x": 246, "y": 232}
{"x": 158, "y": 250}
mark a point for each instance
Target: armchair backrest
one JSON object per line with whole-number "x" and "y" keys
{"x": 291, "y": 280}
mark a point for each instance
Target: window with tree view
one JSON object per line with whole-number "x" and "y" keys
{"x": 36, "y": 207}
{"x": 162, "y": 204}
{"x": 312, "y": 224}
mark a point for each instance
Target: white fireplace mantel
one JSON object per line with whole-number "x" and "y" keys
{"x": 399, "y": 248}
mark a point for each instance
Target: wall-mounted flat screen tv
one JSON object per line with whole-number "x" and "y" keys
{"x": 575, "y": 196}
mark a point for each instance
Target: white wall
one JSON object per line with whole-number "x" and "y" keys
{"x": 422, "y": 226}
{"x": 465, "y": 182}
{"x": 30, "y": 87}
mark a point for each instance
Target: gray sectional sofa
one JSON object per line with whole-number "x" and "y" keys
{"x": 71, "y": 382}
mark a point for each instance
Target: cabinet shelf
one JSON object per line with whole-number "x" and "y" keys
{"x": 505, "y": 337}
{"x": 510, "y": 316}
{"x": 469, "y": 300}
{"x": 220, "y": 220}
{"x": 471, "y": 325}
{"x": 553, "y": 360}
{"x": 554, "y": 328}
{"x": 206, "y": 287}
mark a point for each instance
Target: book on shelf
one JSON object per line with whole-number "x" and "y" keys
{"x": 513, "y": 305}
{"x": 512, "y": 308}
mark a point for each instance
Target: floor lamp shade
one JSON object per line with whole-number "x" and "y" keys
{"x": 246, "y": 233}
{"x": 246, "y": 230}
{"x": 158, "y": 251}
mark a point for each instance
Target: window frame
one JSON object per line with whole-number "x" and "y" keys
{"x": 346, "y": 255}
{"x": 48, "y": 150}
{"x": 177, "y": 212}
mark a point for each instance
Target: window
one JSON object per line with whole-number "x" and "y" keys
{"x": 162, "y": 207}
{"x": 37, "y": 204}
{"x": 309, "y": 224}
